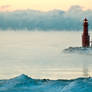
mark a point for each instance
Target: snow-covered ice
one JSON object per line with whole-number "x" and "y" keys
{"x": 23, "y": 83}
{"x": 79, "y": 50}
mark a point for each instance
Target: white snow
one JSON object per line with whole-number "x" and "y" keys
{"x": 23, "y": 83}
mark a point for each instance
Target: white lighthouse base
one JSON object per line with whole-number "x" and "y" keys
{"x": 81, "y": 50}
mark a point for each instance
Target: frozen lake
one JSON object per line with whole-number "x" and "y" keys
{"x": 39, "y": 55}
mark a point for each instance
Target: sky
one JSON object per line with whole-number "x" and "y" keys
{"x": 43, "y": 5}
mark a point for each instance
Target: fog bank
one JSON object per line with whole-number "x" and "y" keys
{"x": 51, "y": 20}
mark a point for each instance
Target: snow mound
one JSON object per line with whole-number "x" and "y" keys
{"x": 23, "y": 83}
{"x": 17, "y": 82}
{"x": 21, "y": 77}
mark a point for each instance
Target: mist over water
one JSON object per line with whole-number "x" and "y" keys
{"x": 40, "y": 55}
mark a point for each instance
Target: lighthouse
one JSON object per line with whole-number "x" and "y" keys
{"x": 85, "y": 35}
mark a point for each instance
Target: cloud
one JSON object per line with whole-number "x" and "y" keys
{"x": 4, "y": 7}
{"x": 51, "y": 20}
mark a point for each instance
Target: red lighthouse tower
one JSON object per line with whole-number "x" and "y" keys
{"x": 85, "y": 36}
